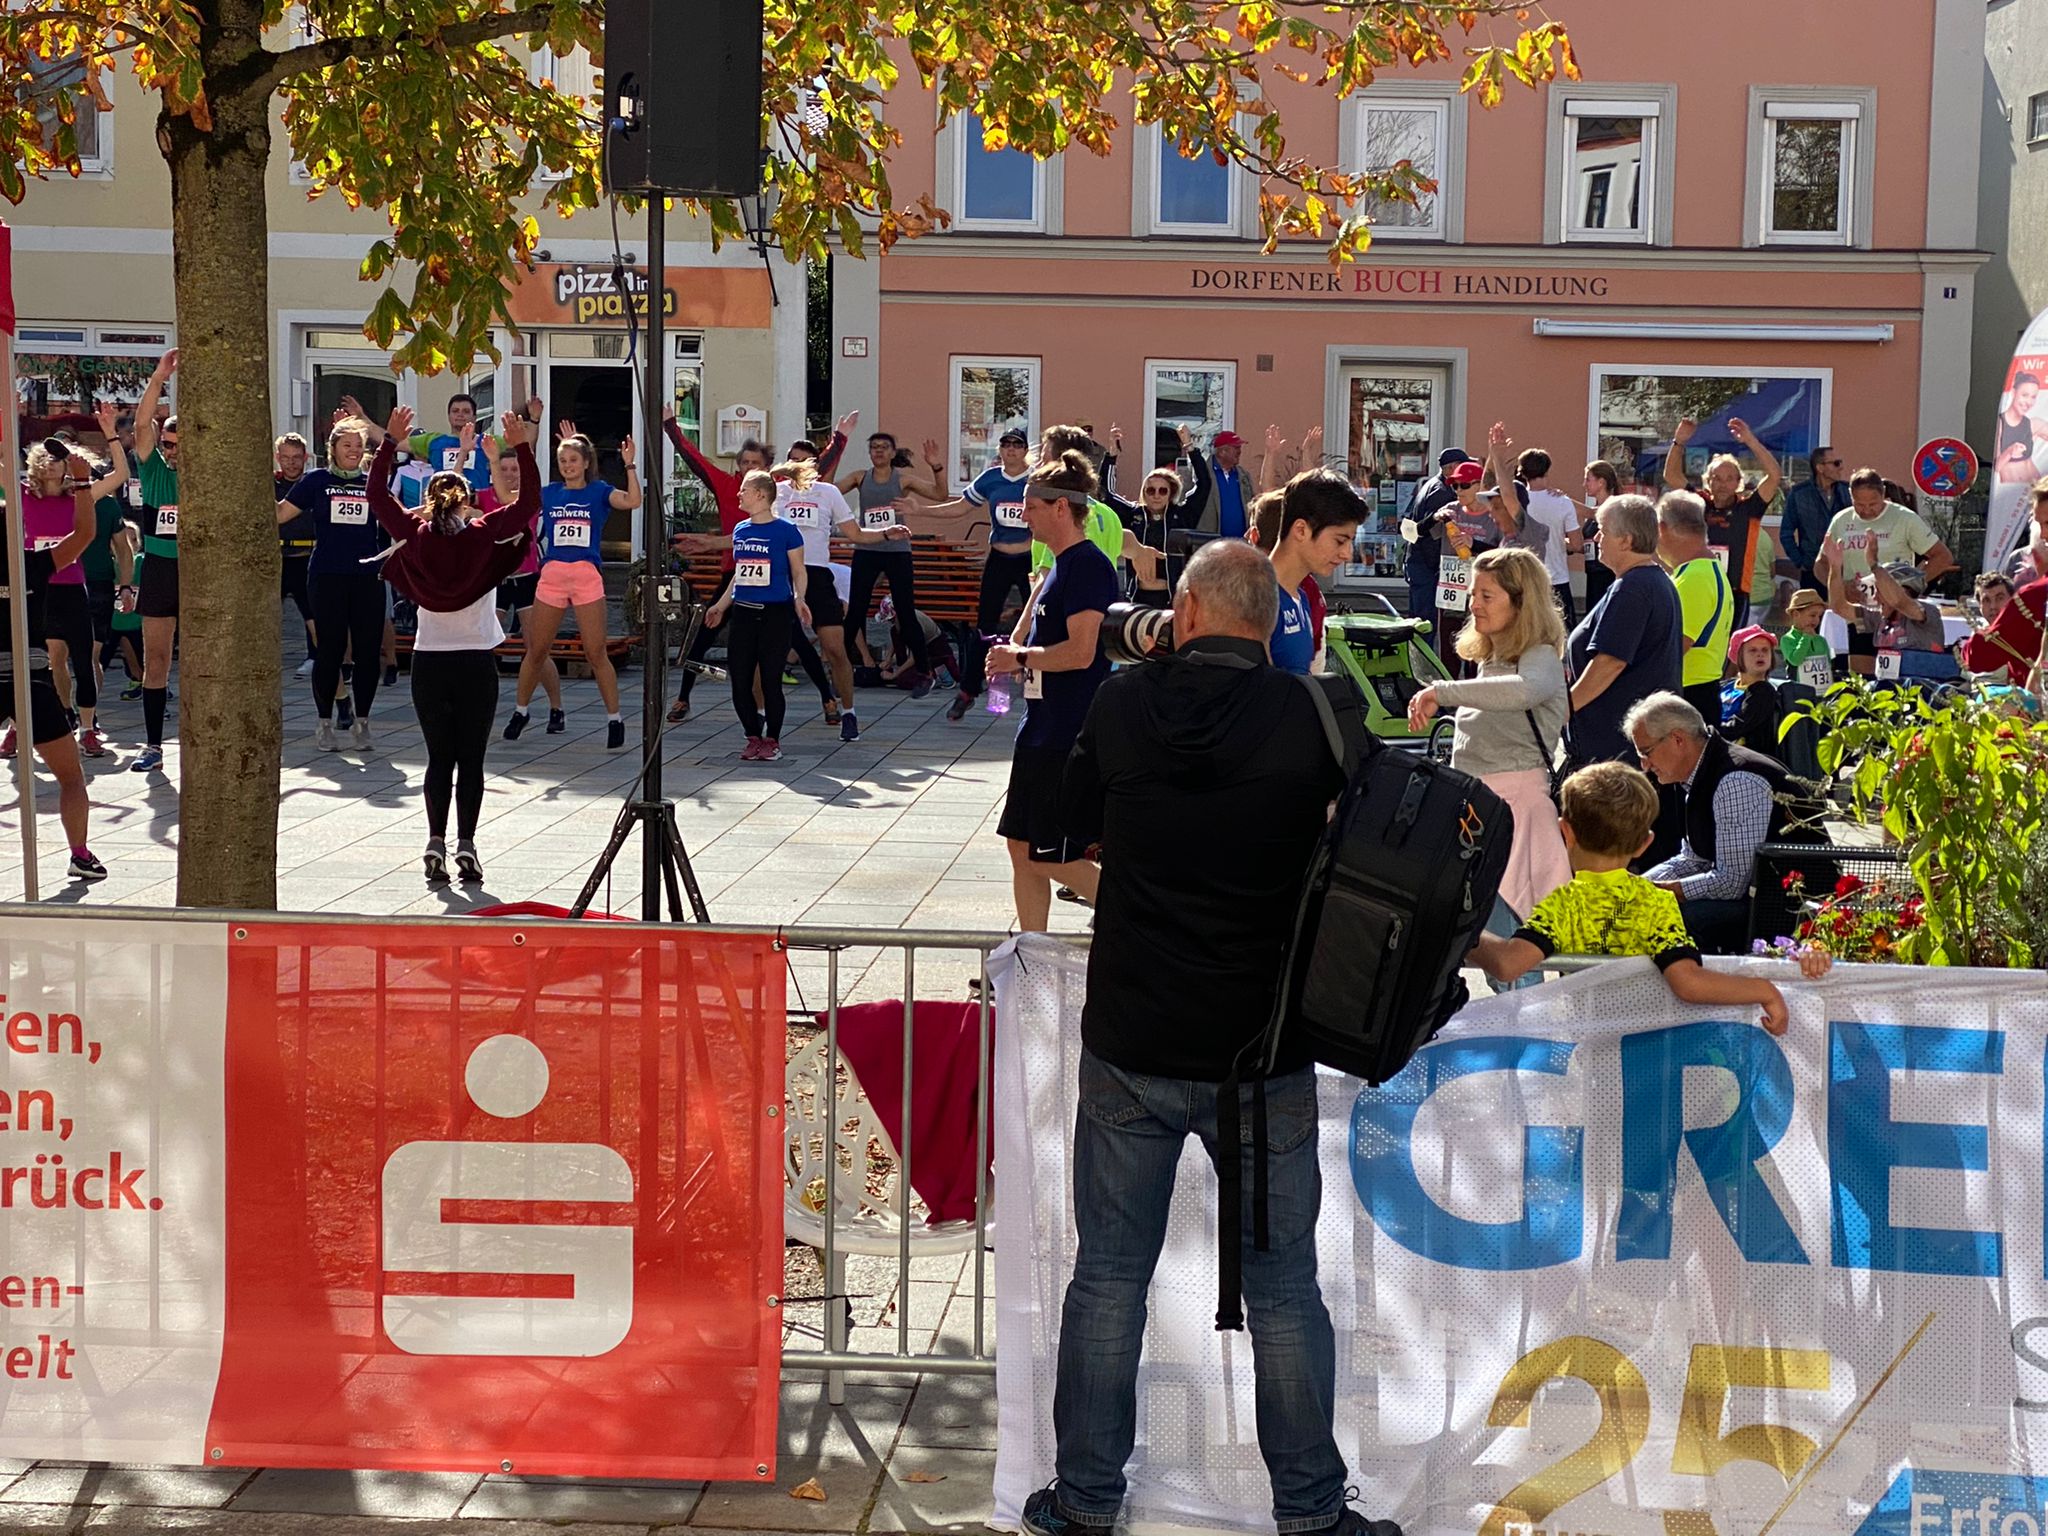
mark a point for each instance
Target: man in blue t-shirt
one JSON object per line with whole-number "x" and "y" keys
{"x": 1057, "y": 650}
{"x": 999, "y": 490}
{"x": 444, "y": 450}
{"x": 1319, "y": 518}
{"x": 1630, "y": 646}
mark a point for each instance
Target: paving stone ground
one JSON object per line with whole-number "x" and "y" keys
{"x": 895, "y": 832}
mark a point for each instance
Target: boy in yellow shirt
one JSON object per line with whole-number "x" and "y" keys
{"x": 1608, "y": 811}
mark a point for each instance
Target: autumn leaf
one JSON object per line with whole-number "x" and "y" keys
{"x": 924, "y": 1477}
{"x": 808, "y": 1489}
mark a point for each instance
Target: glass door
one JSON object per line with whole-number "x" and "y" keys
{"x": 1393, "y": 417}
{"x": 334, "y": 368}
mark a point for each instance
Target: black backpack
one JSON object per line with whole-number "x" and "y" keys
{"x": 1398, "y": 891}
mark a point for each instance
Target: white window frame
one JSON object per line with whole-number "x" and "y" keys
{"x": 1674, "y": 370}
{"x": 2038, "y": 100}
{"x": 1657, "y": 105}
{"x": 547, "y": 65}
{"x": 955, "y": 140}
{"x": 99, "y": 165}
{"x": 1146, "y": 183}
{"x": 1155, "y": 366}
{"x": 1856, "y": 107}
{"x": 1448, "y": 105}
{"x": 955, "y": 366}
{"x": 84, "y": 339}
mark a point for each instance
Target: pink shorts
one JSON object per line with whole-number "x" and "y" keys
{"x": 569, "y": 584}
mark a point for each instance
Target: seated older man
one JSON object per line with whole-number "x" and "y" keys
{"x": 1735, "y": 801}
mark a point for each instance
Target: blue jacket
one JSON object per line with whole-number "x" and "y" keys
{"x": 1807, "y": 515}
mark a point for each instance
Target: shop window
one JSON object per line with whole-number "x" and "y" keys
{"x": 994, "y": 188}
{"x": 1399, "y": 129}
{"x": 2037, "y": 118}
{"x": 1191, "y": 196}
{"x": 1610, "y": 164}
{"x": 1810, "y": 177}
{"x": 1199, "y": 396}
{"x": 1636, "y": 410}
{"x": 991, "y": 395}
{"x": 65, "y": 370}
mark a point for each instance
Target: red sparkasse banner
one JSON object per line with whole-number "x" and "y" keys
{"x": 508, "y": 1195}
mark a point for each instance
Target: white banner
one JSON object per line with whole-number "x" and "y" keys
{"x": 1597, "y": 1262}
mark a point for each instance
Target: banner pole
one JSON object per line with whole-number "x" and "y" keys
{"x": 17, "y": 638}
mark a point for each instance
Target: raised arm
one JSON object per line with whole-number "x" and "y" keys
{"x": 84, "y": 519}
{"x": 145, "y": 408}
{"x": 1508, "y": 507}
{"x": 1269, "y": 466}
{"x": 932, "y": 485}
{"x": 518, "y": 516}
{"x": 1773, "y": 472}
{"x": 392, "y": 517}
{"x": 722, "y": 485}
{"x": 1674, "y": 456}
{"x": 117, "y": 456}
{"x": 842, "y": 434}
{"x": 1189, "y": 508}
{"x": 629, "y": 498}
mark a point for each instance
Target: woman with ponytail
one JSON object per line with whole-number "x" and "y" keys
{"x": 348, "y": 597}
{"x": 448, "y": 558}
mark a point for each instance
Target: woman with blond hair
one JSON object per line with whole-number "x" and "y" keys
{"x": 347, "y": 589}
{"x": 1510, "y": 716}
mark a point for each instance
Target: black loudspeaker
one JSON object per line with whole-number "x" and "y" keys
{"x": 685, "y": 78}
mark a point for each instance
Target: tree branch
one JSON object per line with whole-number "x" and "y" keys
{"x": 326, "y": 52}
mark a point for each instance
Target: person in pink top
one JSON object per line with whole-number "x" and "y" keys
{"x": 515, "y": 593}
{"x": 47, "y": 511}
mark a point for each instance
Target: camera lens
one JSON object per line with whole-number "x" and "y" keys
{"x": 1132, "y": 632}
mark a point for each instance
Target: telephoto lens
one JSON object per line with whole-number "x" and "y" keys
{"x": 1133, "y": 632}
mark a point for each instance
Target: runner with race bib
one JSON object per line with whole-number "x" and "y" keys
{"x": 998, "y": 490}
{"x": 156, "y": 454}
{"x": 768, "y": 570}
{"x": 815, "y": 508}
{"x": 343, "y": 579}
{"x": 573, "y": 513}
{"x": 881, "y": 485}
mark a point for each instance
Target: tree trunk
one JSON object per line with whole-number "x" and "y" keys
{"x": 230, "y": 722}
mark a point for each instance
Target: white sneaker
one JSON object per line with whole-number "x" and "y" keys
{"x": 359, "y": 735}
{"x": 306, "y": 667}
{"x": 323, "y": 738}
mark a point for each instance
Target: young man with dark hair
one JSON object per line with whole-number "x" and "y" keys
{"x": 1556, "y": 514}
{"x": 1319, "y": 518}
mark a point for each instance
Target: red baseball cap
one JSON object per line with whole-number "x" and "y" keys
{"x": 1471, "y": 472}
{"x": 1226, "y": 439}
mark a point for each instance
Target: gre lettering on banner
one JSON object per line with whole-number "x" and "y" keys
{"x": 1454, "y": 584}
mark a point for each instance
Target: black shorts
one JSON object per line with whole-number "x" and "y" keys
{"x": 291, "y": 577}
{"x": 46, "y": 716}
{"x": 1861, "y": 641}
{"x": 64, "y": 610}
{"x": 515, "y": 593}
{"x": 99, "y": 604}
{"x": 158, "y": 598}
{"x": 821, "y": 596}
{"x": 1031, "y": 811}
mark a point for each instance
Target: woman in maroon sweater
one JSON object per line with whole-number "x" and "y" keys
{"x": 449, "y": 557}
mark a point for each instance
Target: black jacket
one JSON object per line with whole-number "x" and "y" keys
{"x": 1208, "y": 785}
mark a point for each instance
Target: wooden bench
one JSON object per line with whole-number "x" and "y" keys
{"x": 948, "y": 576}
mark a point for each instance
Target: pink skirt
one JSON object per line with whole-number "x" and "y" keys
{"x": 1537, "y": 865}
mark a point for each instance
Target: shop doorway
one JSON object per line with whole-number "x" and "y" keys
{"x": 1393, "y": 419}
{"x": 336, "y": 366}
{"x": 598, "y": 397}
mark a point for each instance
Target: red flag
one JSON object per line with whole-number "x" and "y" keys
{"x": 6, "y": 279}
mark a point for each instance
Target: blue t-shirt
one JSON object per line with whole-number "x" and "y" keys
{"x": 1004, "y": 498}
{"x": 1229, "y": 504}
{"x": 445, "y": 452}
{"x": 572, "y": 521}
{"x": 1294, "y": 642}
{"x": 345, "y": 531}
{"x": 1637, "y": 621}
{"x": 760, "y": 561}
{"x": 1082, "y": 581}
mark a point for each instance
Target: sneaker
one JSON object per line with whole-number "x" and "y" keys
{"x": 436, "y": 861}
{"x": 679, "y": 711}
{"x": 558, "y": 721}
{"x": 344, "y": 713}
{"x": 391, "y": 675}
{"x": 359, "y": 735}
{"x": 771, "y": 750}
{"x": 85, "y": 867}
{"x": 957, "y": 710}
{"x": 614, "y": 735}
{"x": 131, "y": 693}
{"x": 751, "y": 752}
{"x": 515, "y": 725}
{"x": 468, "y": 865}
{"x": 7, "y": 743}
{"x": 849, "y": 728}
{"x": 1352, "y": 1523}
{"x": 91, "y": 742}
{"x": 324, "y": 738}
{"x": 306, "y": 667}
{"x": 1044, "y": 1517}
{"x": 923, "y": 685}
{"x": 148, "y": 760}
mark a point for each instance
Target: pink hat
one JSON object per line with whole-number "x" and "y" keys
{"x": 1742, "y": 637}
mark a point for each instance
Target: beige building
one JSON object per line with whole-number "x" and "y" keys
{"x": 93, "y": 289}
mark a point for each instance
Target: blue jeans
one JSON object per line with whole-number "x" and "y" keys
{"x": 1422, "y": 600}
{"x": 1128, "y": 1137}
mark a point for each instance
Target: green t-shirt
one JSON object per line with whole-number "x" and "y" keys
{"x": 159, "y": 518}
{"x": 1610, "y": 912}
{"x": 1706, "y": 607}
{"x": 1105, "y": 530}
{"x": 1797, "y": 646}
{"x": 98, "y": 559}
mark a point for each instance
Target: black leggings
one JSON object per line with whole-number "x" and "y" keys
{"x": 455, "y": 694}
{"x": 349, "y": 607}
{"x": 67, "y": 617}
{"x": 869, "y": 567}
{"x": 757, "y": 641}
{"x": 1002, "y": 572}
{"x": 808, "y": 658}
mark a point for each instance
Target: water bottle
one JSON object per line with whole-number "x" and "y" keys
{"x": 998, "y": 695}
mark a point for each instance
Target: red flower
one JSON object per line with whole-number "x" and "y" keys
{"x": 1848, "y": 885}
{"x": 1791, "y": 880}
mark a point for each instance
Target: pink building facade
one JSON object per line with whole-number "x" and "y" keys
{"x": 1600, "y": 258}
